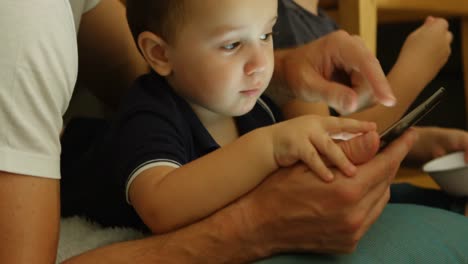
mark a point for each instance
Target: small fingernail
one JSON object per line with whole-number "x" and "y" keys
{"x": 351, "y": 170}
{"x": 348, "y": 103}
{"x": 344, "y": 136}
{"x": 329, "y": 176}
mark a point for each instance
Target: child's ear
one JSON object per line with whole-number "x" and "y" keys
{"x": 154, "y": 50}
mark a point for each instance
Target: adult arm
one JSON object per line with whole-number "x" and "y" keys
{"x": 38, "y": 64}
{"x": 260, "y": 224}
{"x": 29, "y": 219}
{"x": 109, "y": 60}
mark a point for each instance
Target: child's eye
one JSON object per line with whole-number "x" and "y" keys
{"x": 266, "y": 37}
{"x": 231, "y": 46}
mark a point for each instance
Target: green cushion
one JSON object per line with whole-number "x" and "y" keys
{"x": 403, "y": 234}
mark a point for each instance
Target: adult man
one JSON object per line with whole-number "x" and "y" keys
{"x": 38, "y": 57}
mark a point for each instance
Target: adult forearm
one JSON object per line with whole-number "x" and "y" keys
{"x": 29, "y": 219}
{"x": 221, "y": 238}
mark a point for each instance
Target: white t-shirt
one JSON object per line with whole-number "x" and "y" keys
{"x": 38, "y": 70}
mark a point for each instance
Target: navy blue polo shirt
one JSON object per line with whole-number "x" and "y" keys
{"x": 155, "y": 127}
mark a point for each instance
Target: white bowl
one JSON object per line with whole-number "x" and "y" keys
{"x": 450, "y": 172}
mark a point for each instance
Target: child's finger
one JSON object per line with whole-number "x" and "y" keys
{"x": 334, "y": 154}
{"x": 311, "y": 157}
{"x": 449, "y": 36}
{"x": 335, "y": 125}
{"x": 429, "y": 19}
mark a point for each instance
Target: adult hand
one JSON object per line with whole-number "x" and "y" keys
{"x": 293, "y": 210}
{"x": 310, "y": 72}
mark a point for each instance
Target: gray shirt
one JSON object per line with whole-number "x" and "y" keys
{"x": 297, "y": 26}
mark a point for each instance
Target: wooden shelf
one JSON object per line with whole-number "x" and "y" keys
{"x": 416, "y": 177}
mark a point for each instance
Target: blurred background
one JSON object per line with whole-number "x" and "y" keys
{"x": 451, "y": 111}
{"x": 384, "y": 25}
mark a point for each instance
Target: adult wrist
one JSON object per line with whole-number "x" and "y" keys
{"x": 241, "y": 231}
{"x": 220, "y": 238}
{"x": 258, "y": 220}
{"x": 225, "y": 237}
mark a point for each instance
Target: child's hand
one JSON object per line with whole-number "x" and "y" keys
{"x": 427, "y": 48}
{"x": 434, "y": 142}
{"x": 307, "y": 138}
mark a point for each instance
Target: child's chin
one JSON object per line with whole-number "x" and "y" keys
{"x": 245, "y": 110}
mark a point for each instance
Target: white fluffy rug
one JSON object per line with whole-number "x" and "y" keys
{"x": 78, "y": 235}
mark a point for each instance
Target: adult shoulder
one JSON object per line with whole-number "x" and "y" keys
{"x": 38, "y": 69}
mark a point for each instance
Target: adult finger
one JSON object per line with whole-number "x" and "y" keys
{"x": 371, "y": 197}
{"x": 332, "y": 151}
{"x": 361, "y": 148}
{"x": 383, "y": 166}
{"x": 358, "y": 211}
{"x": 380, "y": 171}
{"x": 338, "y": 125}
{"x": 356, "y": 56}
{"x": 338, "y": 96}
{"x": 374, "y": 213}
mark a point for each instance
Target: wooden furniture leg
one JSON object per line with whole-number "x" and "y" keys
{"x": 436, "y": 7}
{"x": 359, "y": 17}
{"x": 464, "y": 49}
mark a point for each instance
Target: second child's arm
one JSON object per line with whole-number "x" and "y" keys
{"x": 167, "y": 198}
{"x": 423, "y": 54}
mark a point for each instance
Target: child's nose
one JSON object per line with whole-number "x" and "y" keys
{"x": 257, "y": 62}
